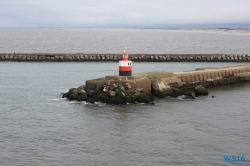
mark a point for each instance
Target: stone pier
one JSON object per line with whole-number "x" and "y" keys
{"x": 142, "y": 86}
{"x": 183, "y": 80}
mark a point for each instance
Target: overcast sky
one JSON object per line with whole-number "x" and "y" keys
{"x": 116, "y": 13}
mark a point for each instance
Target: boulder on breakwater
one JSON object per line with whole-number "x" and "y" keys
{"x": 110, "y": 94}
{"x": 117, "y": 94}
{"x": 200, "y": 91}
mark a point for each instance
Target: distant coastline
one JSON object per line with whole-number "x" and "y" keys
{"x": 200, "y": 30}
{"x": 212, "y": 30}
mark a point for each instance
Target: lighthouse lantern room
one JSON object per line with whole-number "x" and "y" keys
{"x": 125, "y": 65}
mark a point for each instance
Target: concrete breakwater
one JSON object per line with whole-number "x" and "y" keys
{"x": 141, "y": 87}
{"x": 82, "y": 57}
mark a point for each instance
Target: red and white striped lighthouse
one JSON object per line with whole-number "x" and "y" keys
{"x": 125, "y": 65}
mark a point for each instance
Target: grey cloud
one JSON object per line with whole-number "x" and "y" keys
{"x": 132, "y": 12}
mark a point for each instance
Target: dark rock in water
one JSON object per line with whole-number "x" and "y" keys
{"x": 102, "y": 96}
{"x": 129, "y": 99}
{"x": 64, "y": 95}
{"x": 200, "y": 91}
{"x": 178, "y": 91}
{"x": 168, "y": 92}
{"x": 173, "y": 95}
{"x": 116, "y": 100}
{"x": 187, "y": 96}
{"x": 95, "y": 96}
{"x": 82, "y": 97}
{"x": 91, "y": 94}
{"x": 73, "y": 94}
{"x": 144, "y": 98}
{"x": 151, "y": 103}
{"x": 91, "y": 100}
{"x": 135, "y": 96}
{"x": 114, "y": 94}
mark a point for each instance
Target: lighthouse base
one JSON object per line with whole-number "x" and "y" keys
{"x": 125, "y": 73}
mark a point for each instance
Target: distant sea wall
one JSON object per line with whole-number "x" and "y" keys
{"x": 82, "y": 57}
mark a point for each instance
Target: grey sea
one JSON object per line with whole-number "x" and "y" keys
{"x": 38, "y": 127}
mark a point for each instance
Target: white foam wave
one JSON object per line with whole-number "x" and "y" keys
{"x": 57, "y": 99}
{"x": 75, "y": 102}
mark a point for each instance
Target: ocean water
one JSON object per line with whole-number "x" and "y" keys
{"x": 80, "y": 40}
{"x": 38, "y": 127}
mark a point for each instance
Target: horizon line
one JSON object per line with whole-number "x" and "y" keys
{"x": 147, "y": 26}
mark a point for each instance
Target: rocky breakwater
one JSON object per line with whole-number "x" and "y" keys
{"x": 139, "y": 88}
{"x": 117, "y": 90}
{"x": 82, "y": 57}
{"x": 142, "y": 87}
